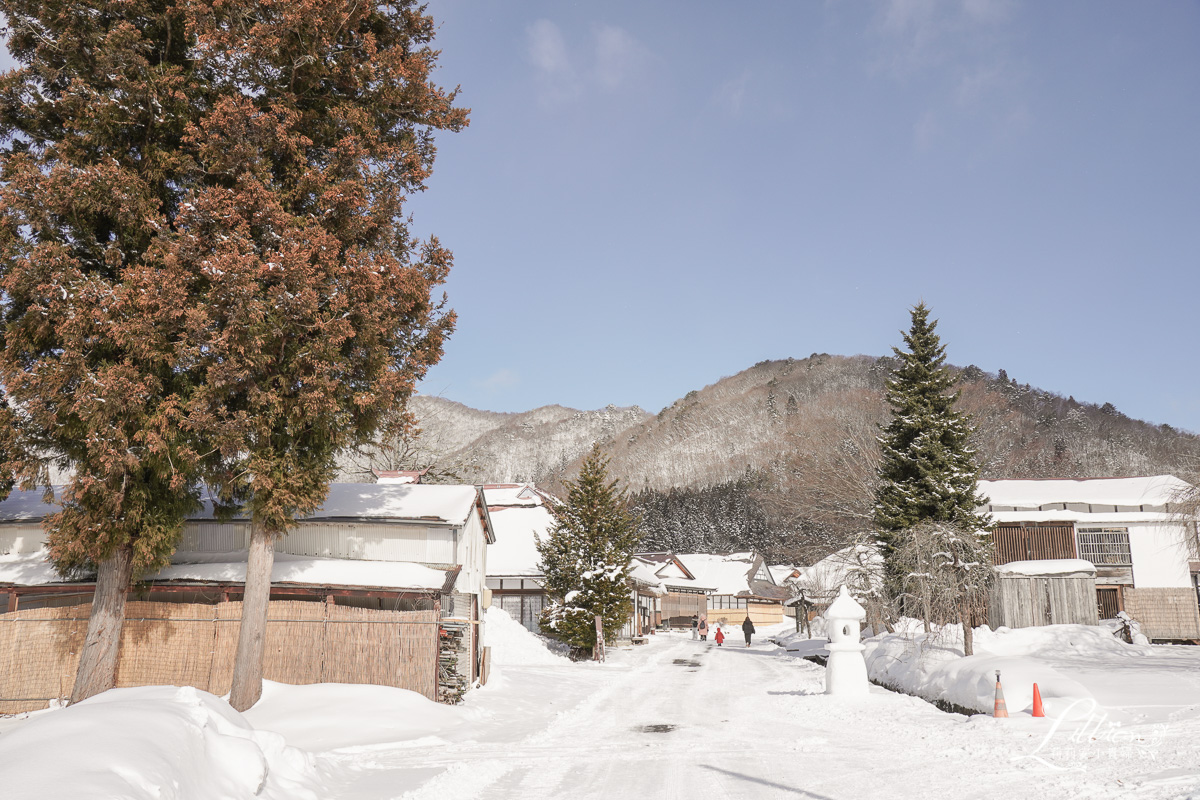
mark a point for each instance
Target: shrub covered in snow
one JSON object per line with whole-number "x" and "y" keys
{"x": 932, "y": 666}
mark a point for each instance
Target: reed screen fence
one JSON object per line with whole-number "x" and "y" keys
{"x": 184, "y": 644}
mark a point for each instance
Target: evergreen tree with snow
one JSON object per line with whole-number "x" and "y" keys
{"x": 928, "y": 471}
{"x": 586, "y": 557}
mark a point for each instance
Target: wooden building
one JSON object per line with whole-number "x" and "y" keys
{"x": 391, "y": 549}
{"x": 725, "y": 588}
{"x": 521, "y": 517}
{"x": 1145, "y": 556}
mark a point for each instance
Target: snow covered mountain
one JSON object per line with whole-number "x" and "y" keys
{"x": 758, "y": 418}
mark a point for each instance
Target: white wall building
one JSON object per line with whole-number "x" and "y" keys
{"x": 1147, "y": 559}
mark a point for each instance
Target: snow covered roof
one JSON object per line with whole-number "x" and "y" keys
{"x": 27, "y": 506}
{"x": 723, "y": 574}
{"x": 517, "y": 530}
{"x": 782, "y": 572}
{"x": 32, "y": 569}
{"x": 398, "y": 502}
{"x": 1112, "y": 494}
{"x": 641, "y": 572}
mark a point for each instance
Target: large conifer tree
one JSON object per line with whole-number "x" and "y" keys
{"x": 928, "y": 471}
{"x": 204, "y": 251}
{"x": 93, "y": 121}
{"x": 586, "y": 557}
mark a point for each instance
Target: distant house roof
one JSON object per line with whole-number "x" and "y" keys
{"x": 399, "y": 476}
{"x": 515, "y": 494}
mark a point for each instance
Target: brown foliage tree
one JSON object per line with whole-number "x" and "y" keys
{"x": 317, "y": 317}
{"x": 92, "y": 121}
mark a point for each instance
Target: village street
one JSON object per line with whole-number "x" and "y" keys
{"x": 683, "y": 719}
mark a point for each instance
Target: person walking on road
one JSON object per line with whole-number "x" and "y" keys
{"x": 703, "y": 628}
{"x": 720, "y": 636}
{"x": 694, "y": 624}
{"x": 748, "y": 629}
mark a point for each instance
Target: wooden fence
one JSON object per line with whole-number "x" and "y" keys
{"x": 1023, "y": 601}
{"x": 178, "y": 644}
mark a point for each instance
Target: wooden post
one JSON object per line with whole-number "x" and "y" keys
{"x": 13, "y": 599}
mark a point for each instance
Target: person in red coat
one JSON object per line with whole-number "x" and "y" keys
{"x": 720, "y": 637}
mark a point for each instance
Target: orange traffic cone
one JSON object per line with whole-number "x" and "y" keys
{"x": 1001, "y": 708}
{"x": 1038, "y": 711}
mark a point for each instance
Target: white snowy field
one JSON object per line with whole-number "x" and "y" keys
{"x": 675, "y": 718}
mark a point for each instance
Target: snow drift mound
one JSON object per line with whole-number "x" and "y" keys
{"x": 330, "y": 716}
{"x": 512, "y": 645}
{"x": 161, "y": 742}
{"x": 932, "y": 666}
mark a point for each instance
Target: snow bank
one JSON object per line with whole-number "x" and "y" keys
{"x": 329, "y": 716}
{"x": 161, "y": 742}
{"x": 512, "y": 645}
{"x": 933, "y": 666}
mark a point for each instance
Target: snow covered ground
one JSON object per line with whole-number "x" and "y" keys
{"x": 675, "y": 718}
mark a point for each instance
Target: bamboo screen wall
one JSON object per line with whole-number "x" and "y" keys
{"x": 178, "y": 644}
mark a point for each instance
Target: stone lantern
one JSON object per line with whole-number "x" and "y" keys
{"x": 846, "y": 671}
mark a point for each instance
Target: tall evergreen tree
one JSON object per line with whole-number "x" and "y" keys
{"x": 586, "y": 557}
{"x": 93, "y": 167}
{"x": 928, "y": 471}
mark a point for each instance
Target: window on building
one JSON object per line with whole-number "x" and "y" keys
{"x": 1105, "y": 546}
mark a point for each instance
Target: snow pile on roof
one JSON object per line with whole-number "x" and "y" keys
{"x": 446, "y": 504}
{"x": 151, "y": 742}
{"x": 231, "y": 567}
{"x": 32, "y": 569}
{"x": 27, "y": 506}
{"x": 1154, "y": 490}
{"x": 326, "y": 716}
{"x": 512, "y": 645}
{"x": 932, "y": 666}
{"x": 517, "y": 531}
{"x": 642, "y": 574}
{"x": 782, "y": 572}
{"x": 1053, "y": 566}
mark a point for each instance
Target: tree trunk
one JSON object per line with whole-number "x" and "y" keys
{"x": 248, "y": 663}
{"x": 964, "y": 619}
{"x": 98, "y": 663}
{"x": 925, "y": 608}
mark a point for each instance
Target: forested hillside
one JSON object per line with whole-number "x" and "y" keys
{"x": 786, "y": 449}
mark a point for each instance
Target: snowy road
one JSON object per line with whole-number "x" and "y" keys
{"x": 684, "y": 719}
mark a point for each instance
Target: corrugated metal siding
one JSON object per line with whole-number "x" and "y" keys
{"x": 215, "y": 537}
{"x": 371, "y": 542}
{"x": 19, "y": 539}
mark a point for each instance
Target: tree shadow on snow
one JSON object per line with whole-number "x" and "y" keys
{"x": 780, "y": 786}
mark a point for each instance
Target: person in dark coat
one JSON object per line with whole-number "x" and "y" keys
{"x": 748, "y": 629}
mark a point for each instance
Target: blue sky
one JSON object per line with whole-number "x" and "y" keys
{"x": 654, "y": 195}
